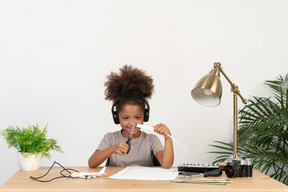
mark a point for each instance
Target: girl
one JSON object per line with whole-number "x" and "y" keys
{"x": 129, "y": 90}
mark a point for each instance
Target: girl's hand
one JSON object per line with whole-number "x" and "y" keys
{"x": 162, "y": 130}
{"x": 120, "y": 148}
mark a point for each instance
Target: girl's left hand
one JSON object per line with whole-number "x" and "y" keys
{"x": 162, "y": 129}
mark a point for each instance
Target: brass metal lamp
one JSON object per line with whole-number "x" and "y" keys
{"x": 208, "y": 92}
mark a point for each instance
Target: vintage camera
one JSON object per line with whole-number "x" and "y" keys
{"x": 238, "y": 167}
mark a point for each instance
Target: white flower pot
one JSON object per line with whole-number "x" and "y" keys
{"x": 29, "y": 162}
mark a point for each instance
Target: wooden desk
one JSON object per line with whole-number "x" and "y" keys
{"x": 20, "y": 181}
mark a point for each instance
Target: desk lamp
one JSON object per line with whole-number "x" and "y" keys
{"x": 208, "y": 92}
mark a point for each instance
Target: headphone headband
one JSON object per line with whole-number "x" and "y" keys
{"x": 115, "y": 113}
{"x": 130, "y": 95}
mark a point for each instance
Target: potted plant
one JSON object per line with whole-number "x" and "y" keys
{"x": 263, "y": 132}
{"x": 31, "y": 144}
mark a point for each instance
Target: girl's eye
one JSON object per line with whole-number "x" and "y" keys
{"x": 138, "y": 118}
{"x": 125, "y": 118}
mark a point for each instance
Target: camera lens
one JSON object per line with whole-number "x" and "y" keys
{"x": 233, "y": 170}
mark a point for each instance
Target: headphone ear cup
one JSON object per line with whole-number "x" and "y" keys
{"x": 146, "y": 115}
{"x": 116, "y": 117}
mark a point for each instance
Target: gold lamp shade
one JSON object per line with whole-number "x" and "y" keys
{"x": 208, "y": 90}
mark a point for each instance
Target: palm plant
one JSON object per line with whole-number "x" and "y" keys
{"x": 263, "y": 134}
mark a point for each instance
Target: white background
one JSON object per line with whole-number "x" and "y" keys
{"x": 55, "y": 55}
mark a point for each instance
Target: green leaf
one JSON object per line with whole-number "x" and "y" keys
{"x": 30, "y": 140}
{"x": 262, "y": 133}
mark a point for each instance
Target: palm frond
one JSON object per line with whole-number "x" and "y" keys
{"x": 263, "y": 134}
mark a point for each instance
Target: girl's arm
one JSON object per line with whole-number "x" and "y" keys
{"x": 166, "y": 156}
{"x": 99, "y": 156}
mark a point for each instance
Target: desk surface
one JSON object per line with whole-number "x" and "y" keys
{"x": 20, "y": 181}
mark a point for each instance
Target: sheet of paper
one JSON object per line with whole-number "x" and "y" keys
{"x": 146, "y": 173}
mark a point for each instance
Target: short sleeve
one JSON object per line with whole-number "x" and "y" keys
{"x": 105, "y": 143}
{"x": 156, "y": 144}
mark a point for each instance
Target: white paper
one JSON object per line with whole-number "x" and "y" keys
{"x": 146, "y": 173}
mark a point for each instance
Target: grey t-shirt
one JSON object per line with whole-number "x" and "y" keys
{"x": 140, "y": 155}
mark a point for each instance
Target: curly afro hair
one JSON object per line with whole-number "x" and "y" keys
{"x": 129, "y": 80}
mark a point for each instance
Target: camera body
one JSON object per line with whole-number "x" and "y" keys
{"x": 238, "y": 167}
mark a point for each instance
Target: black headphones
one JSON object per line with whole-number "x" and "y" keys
{"x": 115, "y": 113}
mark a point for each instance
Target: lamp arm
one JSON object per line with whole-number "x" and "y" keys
{"x": 236, "y": 92}
{"x": 234, "y": 88}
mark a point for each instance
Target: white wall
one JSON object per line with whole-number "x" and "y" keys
{"x": 55, "y": 55}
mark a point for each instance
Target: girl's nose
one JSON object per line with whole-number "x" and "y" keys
{"x": 132, "y": 122}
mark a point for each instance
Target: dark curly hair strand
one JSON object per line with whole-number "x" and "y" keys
{"x": 128, "y": 80}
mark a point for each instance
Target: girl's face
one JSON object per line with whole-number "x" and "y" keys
{"x": 127, "y": 116}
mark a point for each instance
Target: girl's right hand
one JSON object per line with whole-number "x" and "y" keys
{"x": 120, "y": 148}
